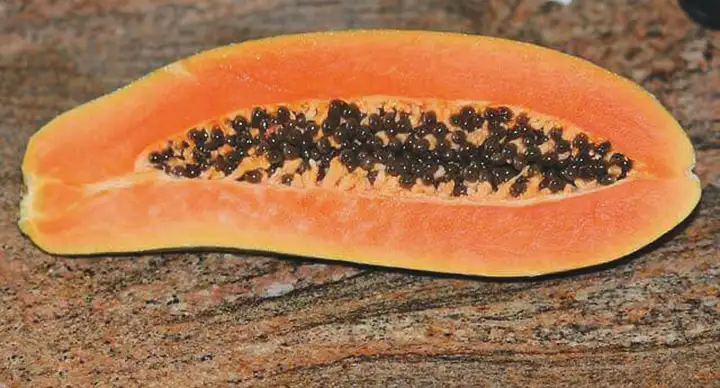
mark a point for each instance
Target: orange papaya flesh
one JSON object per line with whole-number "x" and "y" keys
{"x": 122, "y": 174}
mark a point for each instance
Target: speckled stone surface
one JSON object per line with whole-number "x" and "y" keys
{"x": 218, "y": 319}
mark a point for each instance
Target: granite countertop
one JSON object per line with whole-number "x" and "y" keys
{"x": 216, "y": 318}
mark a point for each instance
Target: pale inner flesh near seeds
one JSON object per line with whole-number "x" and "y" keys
{"x": 392, "y": 146}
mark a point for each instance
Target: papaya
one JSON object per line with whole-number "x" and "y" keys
{"x": 429, "y": 151}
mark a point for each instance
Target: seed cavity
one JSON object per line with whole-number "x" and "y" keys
{"x": 447, "y": 150}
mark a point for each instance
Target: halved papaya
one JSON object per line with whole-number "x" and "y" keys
{"x": 429, "y": 151}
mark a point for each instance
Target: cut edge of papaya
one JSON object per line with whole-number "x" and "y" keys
{"x": 59, "y": 186}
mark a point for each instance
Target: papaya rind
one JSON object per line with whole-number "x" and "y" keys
{"x": 125, "y": 110}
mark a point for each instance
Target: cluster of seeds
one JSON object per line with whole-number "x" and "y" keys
{"x": 490, "y": 145}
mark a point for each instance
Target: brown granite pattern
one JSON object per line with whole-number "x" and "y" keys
{"x": 205, "y": 319}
